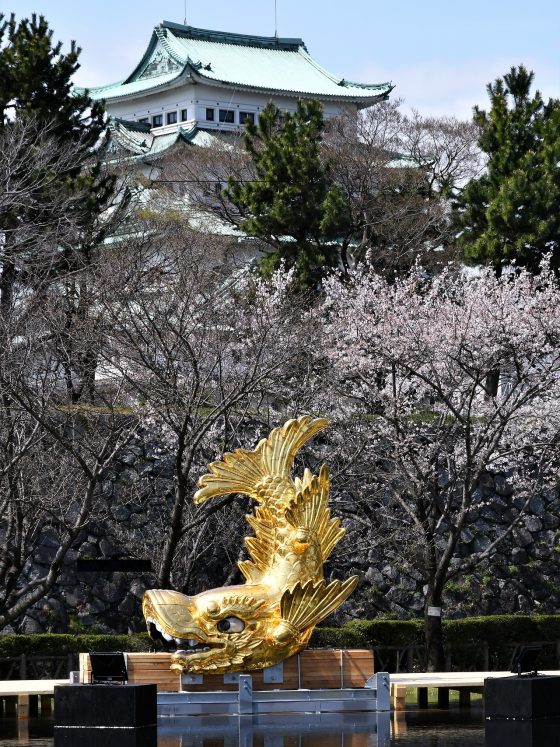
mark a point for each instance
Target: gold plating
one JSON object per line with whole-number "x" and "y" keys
{"x": 272, "y": 615}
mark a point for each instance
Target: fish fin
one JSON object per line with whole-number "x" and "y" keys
{"x": 263, "y": 545}
{"x": 242, "y": 470}
{"x": 301, "y": 483}
{"x": 258, "y": 552}
{"x": 281, "y": 447}
{"x": 303, "y": 606}
{"x": 250, "y": 571}
{"x": 310, "y": 511}
{"x": 264, "y": 525}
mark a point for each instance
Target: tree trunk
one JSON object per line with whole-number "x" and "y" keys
{"x": 433, "y": 634}
{"x": 7, "y": 281}
{"x": 492, "y": 383}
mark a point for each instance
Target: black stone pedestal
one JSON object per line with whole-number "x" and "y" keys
{"x": 143, "y": 736}
{"x": 529, "y": 733}
{"x": 108, "y": 715}
{"x": 525, "y": 697}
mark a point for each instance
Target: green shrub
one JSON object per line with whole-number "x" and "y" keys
{"x": 471, "y": 642}
{"x": 367, "y": 633}
{"x": 51, "y": 644}
{"x": 461, "y": 637}
{"x": 498, "y": 630}
{"x": 334, "y": 638}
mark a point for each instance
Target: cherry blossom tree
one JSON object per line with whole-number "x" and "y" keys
{"x": 53, "y": 454}
{"x": 397, "y": 174}
{"x": 151, "y": 340}
{"x": 53, "y": 450}
{"x": 416, "y": 365}
{"x": 205, "y": 359}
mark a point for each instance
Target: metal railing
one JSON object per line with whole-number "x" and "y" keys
{"x": 469, "y": 657}
{"x": 478, "y": 656}
{"x": 24, "y": 667}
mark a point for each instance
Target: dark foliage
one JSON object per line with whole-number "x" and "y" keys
{"x": 511, "y": 214}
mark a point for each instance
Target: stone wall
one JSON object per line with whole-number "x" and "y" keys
{"x": 104, "y": 602}
{"x": 523, "y": 577}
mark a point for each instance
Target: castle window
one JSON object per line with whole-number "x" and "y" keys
{"x": 184, "y": 115}
{"x": 246, "y": 117}
{"x": 157, "y": 120}
{"x": 209, "y": 115}
{"x": 227, "y": 116}
{"x": 171, "y": 118}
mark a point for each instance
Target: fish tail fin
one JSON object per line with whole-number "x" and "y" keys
{"x": 245, "y": 471}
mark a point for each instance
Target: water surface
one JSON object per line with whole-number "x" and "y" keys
{"x": 426, "y": 728}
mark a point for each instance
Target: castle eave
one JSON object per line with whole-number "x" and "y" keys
{"x": 361, "y": 95}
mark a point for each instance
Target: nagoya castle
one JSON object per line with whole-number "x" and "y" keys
{"x": 191, "y": 80}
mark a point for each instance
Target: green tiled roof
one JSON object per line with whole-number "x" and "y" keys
{"x": 269, "y": 64}
{"x": 125, "y": 88}
{"x": 135, "y": 141}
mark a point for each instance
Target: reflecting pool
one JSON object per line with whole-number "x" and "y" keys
{"x": 413, "y": 728}
{"x": 426, "y": 728}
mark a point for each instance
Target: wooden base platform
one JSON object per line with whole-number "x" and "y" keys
{"x": 311, "y": 669}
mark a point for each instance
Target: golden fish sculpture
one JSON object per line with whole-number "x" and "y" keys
{"x": 272, "y": 615}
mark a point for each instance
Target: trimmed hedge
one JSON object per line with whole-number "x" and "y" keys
{"x": 367, "y": 633}
{"x": 500, "y": 630}
{"x": 55, "y": 644}
{"x": 496, "y": 630}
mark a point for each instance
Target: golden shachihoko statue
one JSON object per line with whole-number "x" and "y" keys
{"x": 272, "y": 615}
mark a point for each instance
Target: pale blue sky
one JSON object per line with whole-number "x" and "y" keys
{"x": 439, "y": 54}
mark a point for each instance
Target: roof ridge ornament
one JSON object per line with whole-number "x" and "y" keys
{"x": 230, "y": 37}
{"x": 160, "y": 64}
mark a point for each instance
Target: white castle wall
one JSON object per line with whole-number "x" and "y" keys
{"x": 197, "y": 98}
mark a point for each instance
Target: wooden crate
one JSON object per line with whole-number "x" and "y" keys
{"x": 357, "y": 666}
{"x": 320, "y": 669}
{"x": 335, "y": 667}
{"x": 312, "y": 669}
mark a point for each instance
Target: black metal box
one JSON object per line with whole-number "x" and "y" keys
{"x": 525, "y": 697}
{"x": 105, "y": 705}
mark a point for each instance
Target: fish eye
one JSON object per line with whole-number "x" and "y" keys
{"x": 231, "y": 625}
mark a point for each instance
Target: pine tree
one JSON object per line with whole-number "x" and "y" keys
{"x": 36, "y": 91}
{"x": 291, "y": 205}
{"x": 511, "y": 214}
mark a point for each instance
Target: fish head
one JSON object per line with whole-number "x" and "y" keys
{"x": 216, "y": 631}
